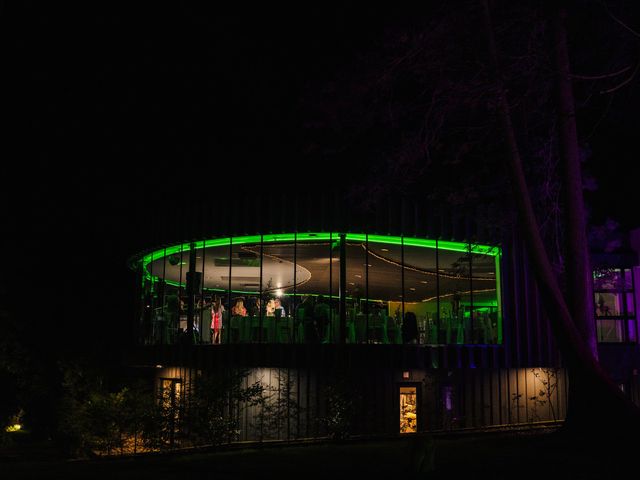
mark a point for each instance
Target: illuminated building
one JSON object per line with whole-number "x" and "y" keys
{"x": 425, "y": 320}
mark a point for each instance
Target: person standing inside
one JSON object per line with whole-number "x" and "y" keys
{"x": 321, "y": 317}
{"x": 410, "y": 328}
{"x": 279, "y": 309}
{"x": 216, "y": 320}
{"x": 239, "y": 310}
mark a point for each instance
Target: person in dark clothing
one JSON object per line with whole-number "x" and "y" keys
{"x": 321, "y": 313}
{"x": 410, "y": 328}
{"x": 305, "y": 316}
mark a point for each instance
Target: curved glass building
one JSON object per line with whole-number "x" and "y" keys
{"x": 452, "y": 289}
{"x": 417, "y": 318}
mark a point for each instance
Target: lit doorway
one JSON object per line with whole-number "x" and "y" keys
{"x": 408, "y": 410}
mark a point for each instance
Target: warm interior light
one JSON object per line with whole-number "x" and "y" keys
{"x": 408, "y": 410}
{"x": 13, "y": 428}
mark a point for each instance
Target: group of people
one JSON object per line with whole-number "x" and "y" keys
{"x": 273, "y": 308}
{"x": 313, "y": 313}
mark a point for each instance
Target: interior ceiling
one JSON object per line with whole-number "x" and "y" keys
{"x": 318, "y": 263}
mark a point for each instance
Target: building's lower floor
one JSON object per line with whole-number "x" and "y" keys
{"x": 296, "y": 403}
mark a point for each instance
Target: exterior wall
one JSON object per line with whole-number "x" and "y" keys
{"x": 299, "y": 401}
{"x": 528, "y": 335}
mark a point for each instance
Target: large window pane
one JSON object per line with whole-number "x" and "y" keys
{"x": 281, "y": 282}
{"x": 170, "y": 308}
{"x": 385, "y": 292}
{"x": 484, "y": 297}
{"x": 317, "y": 290}
{"x": 420, "y": 292}
{"x": 608, "y": 304}
{"x": 366, "y": 327}
{"x": 455, "y": 298}
{"x": 608, "y": 279}
{"x": 610, "y": 330}
{"x": 614, "y": 297}
{"x": 245, "y": 282}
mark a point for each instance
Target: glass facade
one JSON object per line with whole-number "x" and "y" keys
{"x": 614, "y": 302}
{"x": 294, "y": 288}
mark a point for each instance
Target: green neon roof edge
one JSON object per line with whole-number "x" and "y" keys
{"x": 316, "y": 236}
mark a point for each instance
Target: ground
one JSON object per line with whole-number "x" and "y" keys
{"x": 540, "y": 455}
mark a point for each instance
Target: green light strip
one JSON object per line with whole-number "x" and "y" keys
{"x": 324, "y": 236}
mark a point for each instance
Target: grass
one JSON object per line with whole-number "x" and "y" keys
{"x": 505, "y": 455}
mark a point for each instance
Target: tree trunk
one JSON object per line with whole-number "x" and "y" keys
{"x": 596, "y": 404}
{"x": 578, "y": 272}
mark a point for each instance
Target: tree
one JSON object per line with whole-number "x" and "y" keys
{"x": 571, "y": 317}
{"x": 441, "y": 101}
{"x": 279, "y": 409}
{"x": 214, "y": 404}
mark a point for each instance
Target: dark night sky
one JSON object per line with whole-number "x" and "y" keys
{"x": 109, "y": 108}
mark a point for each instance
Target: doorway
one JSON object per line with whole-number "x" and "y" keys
{"x": 408, "y": 409}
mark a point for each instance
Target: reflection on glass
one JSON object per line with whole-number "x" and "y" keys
{"x": 608, "y": 304}
{"x": 610, "y": 330}
{"x": 612, "y": 279}
{"x": 614, "y": 297}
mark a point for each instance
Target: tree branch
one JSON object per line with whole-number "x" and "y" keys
{"x": 620, "y": 22}
{"x": 600, "y": 77}
{"x": 620, "y": 85}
